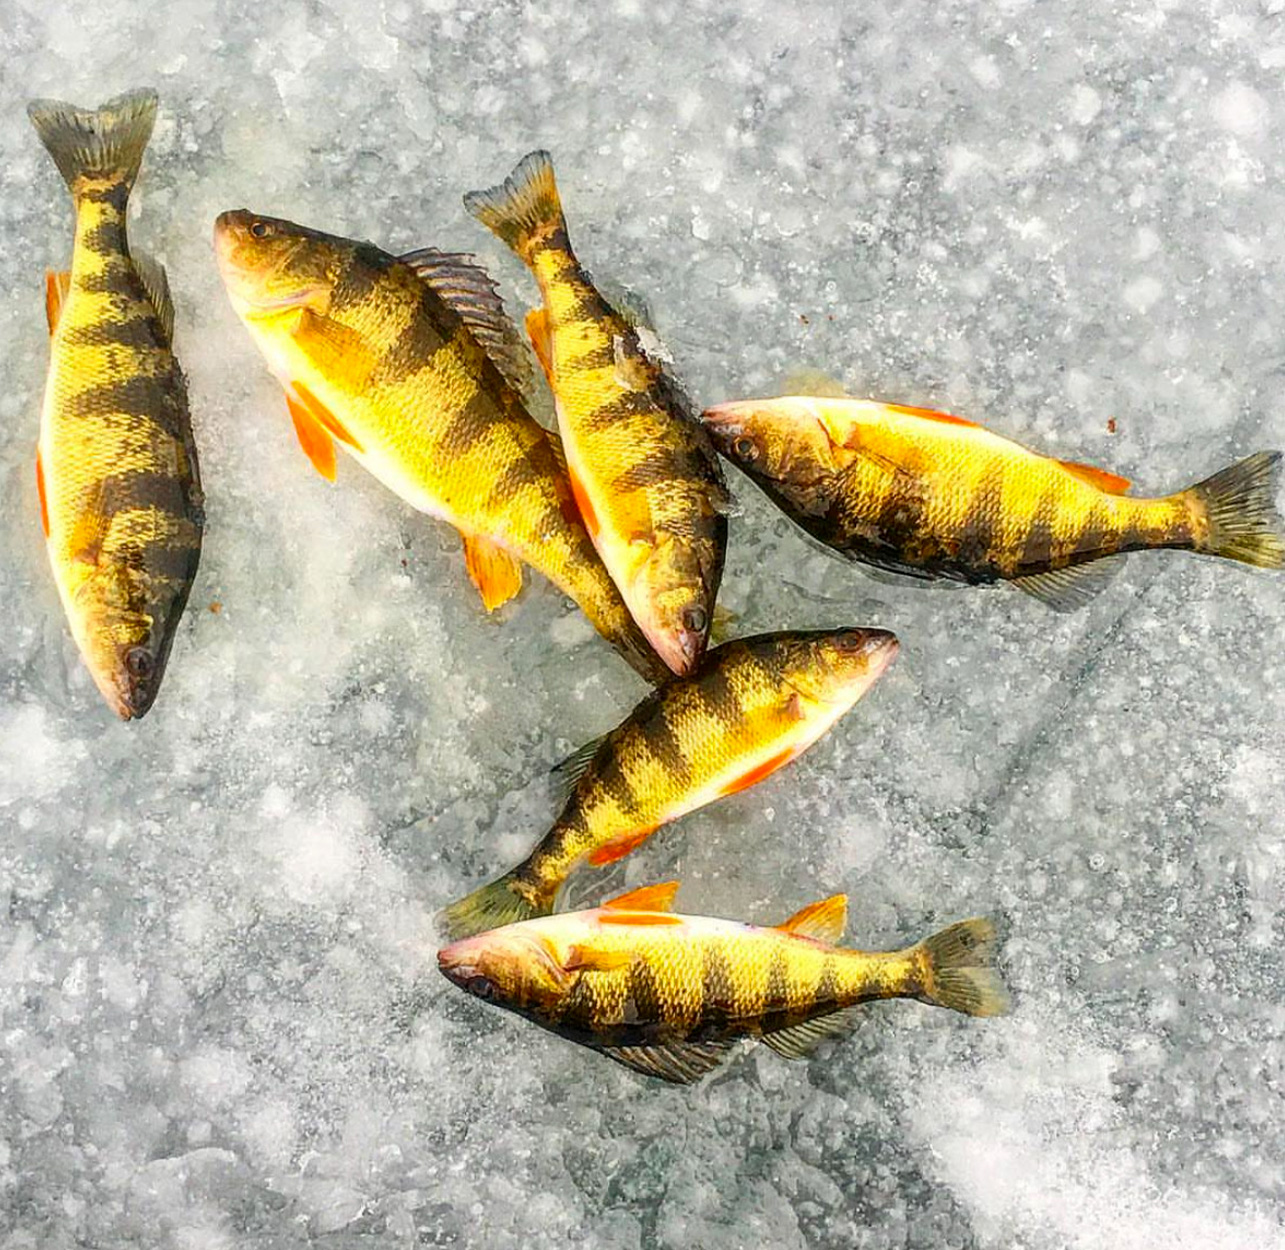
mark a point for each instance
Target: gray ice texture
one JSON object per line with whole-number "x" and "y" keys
{"x": 221, "y": 1026}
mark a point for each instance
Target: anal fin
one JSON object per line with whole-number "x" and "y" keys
{"x": 680, "y": 1063}
{"x": 799, "y": 1040}
{"x": 496, "y": 574}
{"x": 537, "y": 328}
{"x": 612, "y": 851}
{"x": 1069, "y": 589}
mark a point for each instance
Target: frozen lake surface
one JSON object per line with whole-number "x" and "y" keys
{"x": 220, "y": 1020}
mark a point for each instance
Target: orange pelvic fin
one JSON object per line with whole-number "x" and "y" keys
{"x": 40, "y": 490}
{"x": 587, "y": 514}
{"x": 537, "y": 328}
{"x": 824, "y": 920}
{"x": 324, "y": 416}
{"x": 317, "y": 445}
{"x": 646, "y": 898}
{"x": 1111, "y": 483}
{"x": 757, "y": 773}
{"x": 56, "y": 287}
{"x": 930, "y": 414}
{"x": 495, "y": 573}
{"x": 621, "y": 847}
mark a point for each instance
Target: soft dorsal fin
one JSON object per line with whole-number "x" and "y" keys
{"x": 824, "y": 920}
{"x": 569, "y": 771}
{"x": 537, "y": 328}
{"x": 317, "y": 444}
{"x": 496, "y": 574}
{"x": 930, "y": 414}
{"x": 472, "y": 293}
{"x": 1111, "y": 483}
{"x": 56, "y": 287}
{"x": 151, "y": 273}
{"x": 812, "y": 383}
{"x": 646, "y": 898}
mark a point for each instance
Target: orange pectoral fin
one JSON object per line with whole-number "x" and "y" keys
{"x": 40, "y": 490}
{"x": 587, "y": 514}
{"x": 56, "y": 287}
{"x": 324, "y": 416}
{"x": 930, "y": 414}
{"x": 495, "y": 573}
{"x": 757, "y": 773}
{"x": 317, "y": 445}
{"x": 1111, "y": 483}
{"x": 537, "y": 328}
{"x": 583, "y": 958}
{"x": 618, "y": 849}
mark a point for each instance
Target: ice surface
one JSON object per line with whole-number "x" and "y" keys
{"x": 220, "y": 1025}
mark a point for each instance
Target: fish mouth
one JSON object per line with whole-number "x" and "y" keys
{"x": 681, "y": 649}
{"x": 456, "y": 966}
{"x": 246, "y": 277}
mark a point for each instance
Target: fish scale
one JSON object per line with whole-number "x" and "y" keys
{"x": 670, "y": 994}
{"x": 120, "y": 483}
{"x": 752, "y": 706}
{"x": 378, "y": 359}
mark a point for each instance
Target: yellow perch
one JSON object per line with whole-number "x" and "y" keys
{"x": 670, "y": 995}
{"x": 120, "y": 491}
{"x": 646, "y": 479}
{"x": 751, "y": 707}
{"x": 935, "y": 496}
{"x": 412, "y": 367}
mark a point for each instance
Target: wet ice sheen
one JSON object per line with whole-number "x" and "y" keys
{"x": 219, "y": 1022}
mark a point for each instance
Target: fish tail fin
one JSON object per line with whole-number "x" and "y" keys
{"x": 506, "y": 900}
{"x": 524, "y": 210}
{"x": 1240, "y": 502}
{"x": 105, "y": 144}
{"x": 959, "y": 969}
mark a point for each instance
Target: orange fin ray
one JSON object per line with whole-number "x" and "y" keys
{"x": 317, "y": 444}
{"x": 619, "y": 848}
{"x": 1111, "y": 483}
{"x": 537, "y": 328}
{"x": 646, "y": 898}
{"x": 824, "y": 920}
{"x": 638, "y": 917}
{"x": 584, "y": 958}
{"x": 496, "y": 574}
{"x": 40, "y": 490}
{"x": 930, "y": 414}
{"x": 757, "y": 773}
{"x": 587, "y": 515}
{"x": 324, "y": 417}
{"x": 56, "y": 287}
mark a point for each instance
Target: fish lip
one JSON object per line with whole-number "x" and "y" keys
{"x": 681, "y": 649}
{"x": 455, "y": 965}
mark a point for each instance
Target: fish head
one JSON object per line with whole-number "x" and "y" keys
{"x": 270, "y": 266}
{"x": 678, "y": 589}
{"x": 123, "y": 636}
{"x": 835, "y": 668}
{"x": 516, "y": 967}
{"x": 783, "y": 444}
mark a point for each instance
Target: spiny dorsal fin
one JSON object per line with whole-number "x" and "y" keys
{"x": 931, "y": 414}
{"x": 646, "y": 898}
{"x": 1111, "y": 483}
{"x": 1068, "y": 590}
{"x": 151, "y": 273}
{"x": 56, "y": 287}
{"x": 824, "y": 920}
{"x": 681, "y": 1063}
{"x": 496, "y": 574}
{"x": 798, "y": 1041}
{"x": 813, "y": 383}
{"x": 473, "y": 294}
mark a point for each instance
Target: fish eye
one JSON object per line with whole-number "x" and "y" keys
{"x": 260, "y": 229}
{"x": 694, "y": 618}
{"x": 483, "y": 988}
{"x": 138, "y": 662}
{"x": 746, "y": 448}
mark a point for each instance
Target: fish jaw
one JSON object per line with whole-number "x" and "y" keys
{"x": 253, "y": 273}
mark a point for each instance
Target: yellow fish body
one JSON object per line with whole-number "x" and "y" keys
{"x": 932, "y": 495}
{"x": 670, "y": 995}
{"x": 116, "y": 467}
{"x": 751, "y": 707}
{"x": 646, "y": 479}
{"x": 396, "y": 361}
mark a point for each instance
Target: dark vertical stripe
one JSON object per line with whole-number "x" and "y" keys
{"x": 718, "y": 694}
{"x": 663, "y": 744}
{"x": 428, "y": 330}
{"x": 776, "y": 1001}
{"x": 359, "y": 276}
{"x": 827, "y": 989}
{"x": 642, "y": 1000}
{"x": 718, "y": 990}
{"x": 467, "y": 425}
{"x": 1036, "y": 555}
{"x": 981, "y": 525}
